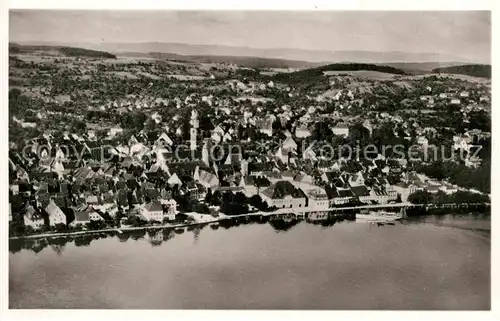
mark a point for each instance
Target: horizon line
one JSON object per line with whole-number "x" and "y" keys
{"x": 223, "y": 45}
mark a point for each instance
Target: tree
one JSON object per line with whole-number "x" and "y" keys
{"x": 321, "y": 132}
{"x": 240, "y": 198}
{"x": 78, "y": 227}
{"x": 79, "y": 125}
{"x": 95, "y": 225}
{"x": 420, "y": 197}
{"x": 200, "y": 207}
{"x": 256, "y": 201}
{"x": 208, "y": 196}
{"x": 359, "y": 134}
{"x": 61, "y": 227}
{"x": 28, "y": 230}
{"x": 136, "y": 221}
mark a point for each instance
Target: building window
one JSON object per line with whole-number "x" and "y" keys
{"x": 300, "y": 205}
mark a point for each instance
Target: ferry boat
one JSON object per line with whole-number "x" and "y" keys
{"x": 379, "y": 216}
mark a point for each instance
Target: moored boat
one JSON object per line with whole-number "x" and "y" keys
{"x": 379, "y": 216}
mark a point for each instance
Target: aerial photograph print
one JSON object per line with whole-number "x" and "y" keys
{"x": 249, "y": 160}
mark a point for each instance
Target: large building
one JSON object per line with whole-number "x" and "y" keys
{"x": 56, "y": 215}
{"x": 283, "y": 194}
{"x": 153, "y": 211}
{"x": 341, "y": 129}
{"x": 318, "y": 199}
{"x": 33, "y": 218}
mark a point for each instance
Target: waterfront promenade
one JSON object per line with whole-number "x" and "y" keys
{"x": 200, "y": 219}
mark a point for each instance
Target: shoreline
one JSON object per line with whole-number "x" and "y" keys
{"x": 133, "y": 228}
{"x": 182, "y": 225}
{"x": 117, "y": 230}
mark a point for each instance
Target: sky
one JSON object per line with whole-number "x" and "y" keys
{"x": 463, "y": 33}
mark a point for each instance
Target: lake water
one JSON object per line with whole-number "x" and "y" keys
{"x": 430, "y": 263}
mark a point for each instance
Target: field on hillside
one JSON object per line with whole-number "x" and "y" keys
{"x": 368, "y": 74}
{"x": 453, "y": 76}
{"x": 186, "y": 77}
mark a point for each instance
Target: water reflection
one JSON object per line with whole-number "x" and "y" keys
{"x": 283, "y": 225}
{"x": 280, "y": 223}
{"x": 58, "y": 244}
{"x": 155, "y": 237}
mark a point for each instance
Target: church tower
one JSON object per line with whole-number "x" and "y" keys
{"x": 205, "y": 153}
{"x": 194, "y": 129}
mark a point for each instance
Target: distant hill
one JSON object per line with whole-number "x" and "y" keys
{"x": 483, "y": 71}
{"x": 58, "y": 51}
{"x": 250, "y": 62}
{"x": 417, "y": 68}
{"x": 302, "y": 75}
{"x": 14, "y": 59}
{"x": 315, "y": 56}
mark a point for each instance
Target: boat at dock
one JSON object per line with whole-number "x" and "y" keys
{"x": 379, "y": 216}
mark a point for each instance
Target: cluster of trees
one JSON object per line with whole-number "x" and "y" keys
{"x": 186, "y": 204}
{"x": 235, "y": 203}
{"x": 67, "y": 51}
{"x": 133, "y": 121}
{"x": 80, "y": 52}
{"x": 483, "y": 71}
{"x": 229, "y": 203}
{"x": 459, "y": 174}
{"x": 17, "y": 228}
{"x": 315, "y": 73}
{"x": 460, "y": 197}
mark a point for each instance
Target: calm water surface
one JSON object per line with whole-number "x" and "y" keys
{"x": 431, "y": 263}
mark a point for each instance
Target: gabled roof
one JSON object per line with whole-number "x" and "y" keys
{"x": 331, "y": 191}
{"x": 344, "y": 192}
{"x": 229, "y": 188}
{"x": 107, "y": 198}
{"x": 332, "y": 176}
{"x": 82, "y": 216}
{"x": 84, "y": 173}
{"x": 264, "y": 123}
{"x": 282, "y": 189}
{"x": 174, "y": 179}
{"x": 288, "y": 173}
{"x": 46, "y": 162}
{"x": 165, "y": 138}
{"x": 303, "y": 177}
{"x": 289, "y": 142}
{"x": 208, "y": 177}
{"x": 249, "y": 180}
{"x": 154, "y": 206}
{"x": 360, "y": 191}
{"x": 341, "y": 125}
{"x": 260, "y": 167}
{"x": 187, "y": 168}
{"x": 273, "y": 174}
{"x": 32, "y": 214}
{"x": 52, "y": 208}
{"x": 121, "y": 197}
{"x": 152, "y": 193}
{"x": 64, "y": 188}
